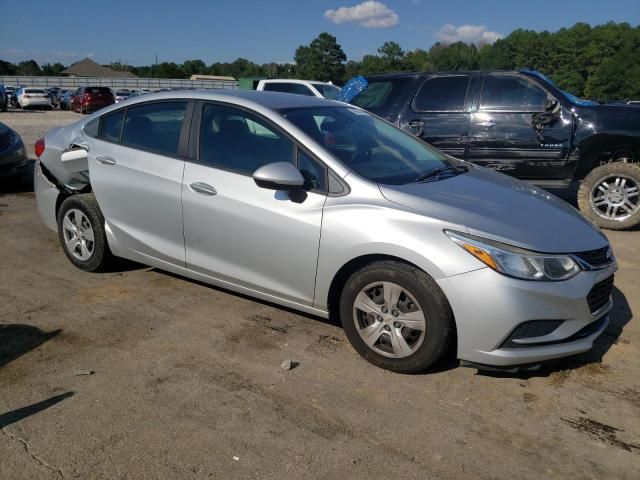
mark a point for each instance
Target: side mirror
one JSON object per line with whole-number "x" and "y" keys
{"x": 278, "y": 176}
{"x": 550, "y": 104}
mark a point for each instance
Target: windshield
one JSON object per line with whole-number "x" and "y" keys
{"x": 368, "y": 145}
{"x": 571, "y": 97}
{"x": 328, "y": 91}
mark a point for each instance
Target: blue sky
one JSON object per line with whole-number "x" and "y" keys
{"x": 214, "y": 30}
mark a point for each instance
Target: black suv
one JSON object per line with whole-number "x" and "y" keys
{"x": 521, "y": 124}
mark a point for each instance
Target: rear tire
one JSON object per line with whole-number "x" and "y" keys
{"x": 82, "y": 234}
{"x": 609, "y": 196}
{"x": 406, "y": 324}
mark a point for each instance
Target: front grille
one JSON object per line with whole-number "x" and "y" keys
{"x": 599, "y": 295}
{"x": 5, "y": 141}
{"x": 595, "y": 258}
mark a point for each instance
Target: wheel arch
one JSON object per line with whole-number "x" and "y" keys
{"x": 604, "y": 148}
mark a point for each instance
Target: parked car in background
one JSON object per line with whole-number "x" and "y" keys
{"x": 4, "y": 99}
{"x": 66, "y": 98}
{"x": 121, "y": 95}
{"x": 90, "y": 99}
{"x": 13, "y": 155}
{"x": 10, "y": 91}
{"x": 325, "y": 208}
{"x": 36, "y": 98}
{"x": 300, "y": 87}
{"x": 521, "y": 124}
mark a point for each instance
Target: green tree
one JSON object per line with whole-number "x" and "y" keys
{"x": 391, "y": 55}
{"x": 323, "y": 59}
{"x": 8, "y": 68}
{"x": 456, "y": 56}
{"x": 29, "y": 68}
{"x": 52, "y": 70}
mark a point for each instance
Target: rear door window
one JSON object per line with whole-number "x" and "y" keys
{"x": 154, "y": 126}
{"x": 442, "y": 94}
{"x": 512, "y": 93}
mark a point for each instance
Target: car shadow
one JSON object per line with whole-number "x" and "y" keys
{"x": 18, "y": 414}
{"x": 619, "y": 316}
{"x": 21, "y": 183}
{"x": 17, "y": 339}
{"x": 448, "y": 361}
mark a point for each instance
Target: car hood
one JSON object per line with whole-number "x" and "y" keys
{"x": 493, "y": 205}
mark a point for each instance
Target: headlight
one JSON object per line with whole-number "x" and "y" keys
{"x": 13, "y": 137}
{"x": 517, "y": 262}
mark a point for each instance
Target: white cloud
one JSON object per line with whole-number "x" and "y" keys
{"x": 477, "y": 34}
{"x": 369, "y": 14}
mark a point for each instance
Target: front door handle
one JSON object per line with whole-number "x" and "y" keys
{"x": 416, "y": 124}
{"x": 106, "y": 160}
{"x": 487, "y": 125}
{"x": 203, "y": 188}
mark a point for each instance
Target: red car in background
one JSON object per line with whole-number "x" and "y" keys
{"x": 90, "y": 99}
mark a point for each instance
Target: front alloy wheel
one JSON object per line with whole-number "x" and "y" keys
{"x": 610, "y": 195}
{"x": 615, "y": 197}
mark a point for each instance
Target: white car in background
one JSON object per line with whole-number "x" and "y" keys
{"x": 121, "y": 95}
{"x": 33, "y": 98}
{"x": 310, "y": 88}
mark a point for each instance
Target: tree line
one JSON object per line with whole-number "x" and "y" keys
{"x": 600, "y": 62}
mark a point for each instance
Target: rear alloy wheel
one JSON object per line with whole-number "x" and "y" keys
{"x": 610, "y": 196}
{"x": 81, "y": 232}
{"x": 396, "y": 316}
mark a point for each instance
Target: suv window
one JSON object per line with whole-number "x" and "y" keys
{"x": 234, "y": 139}
{"x": 512, "y": 93}
{"x": 380, "y": 94}
{"x": 154, "y": 126}
{"x": 288, "y": 88}
{"x": 442, "y": 94}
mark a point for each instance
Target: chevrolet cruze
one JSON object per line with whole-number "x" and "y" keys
{"x": 325, "y": 208}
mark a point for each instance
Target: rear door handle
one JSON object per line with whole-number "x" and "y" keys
{"x": 416, "y": 123}
{"x": 203, "y": 188}
{"x": 106, "y": 160}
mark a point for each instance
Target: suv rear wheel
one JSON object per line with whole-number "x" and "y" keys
{"x": 609, "y": 195}
{"x": 396, "y": 316}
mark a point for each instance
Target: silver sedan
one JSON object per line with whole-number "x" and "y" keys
{"x": 325, "y": 208}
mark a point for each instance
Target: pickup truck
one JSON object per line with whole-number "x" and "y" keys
{"x": 310, "y": 88}
{"x": 521, "y": 124}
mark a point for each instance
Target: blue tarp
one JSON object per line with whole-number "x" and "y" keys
{"x": 352, "y": 88}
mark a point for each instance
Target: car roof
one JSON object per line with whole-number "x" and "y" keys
{"x": 440, "y": 72}
{"x": 270, "y": 100}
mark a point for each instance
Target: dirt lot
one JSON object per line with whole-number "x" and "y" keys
{"x": 187, "y": 381}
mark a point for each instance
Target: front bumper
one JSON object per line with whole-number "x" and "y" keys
{"x": 488, "y": 307}
{"x": 13, "y": 161}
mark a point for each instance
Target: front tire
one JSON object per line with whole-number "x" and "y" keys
{"x": 82, "y": 234}
{"x": 396, "y": 316}
{"x": 609, "y": 196}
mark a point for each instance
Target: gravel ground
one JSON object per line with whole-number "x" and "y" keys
{"x": 140, "y": 374}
